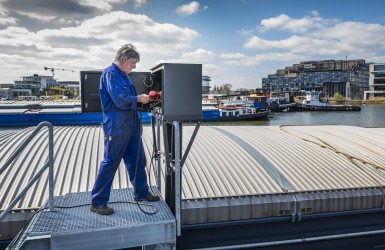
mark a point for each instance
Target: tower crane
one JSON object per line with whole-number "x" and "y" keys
{"x": 53, "y": 70}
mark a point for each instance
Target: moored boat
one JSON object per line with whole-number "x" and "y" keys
{"x": 279, "y": 102}
{"x": 313, "y": 102}
{"x": 237, "y": 109}
{"x": 233, "y": 113}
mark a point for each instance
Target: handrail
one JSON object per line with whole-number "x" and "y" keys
{"x": 48, "y": 163}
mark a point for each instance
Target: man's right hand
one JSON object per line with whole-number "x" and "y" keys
{"x": 143, "y": 98}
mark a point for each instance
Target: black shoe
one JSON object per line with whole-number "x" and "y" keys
{"x": 149, "y": 198}
{"x": 103, "y": 210}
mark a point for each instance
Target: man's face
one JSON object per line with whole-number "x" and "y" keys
{"x": 129, "y": 65}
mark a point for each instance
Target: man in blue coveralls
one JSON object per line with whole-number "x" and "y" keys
{"x": 122, "y": 131}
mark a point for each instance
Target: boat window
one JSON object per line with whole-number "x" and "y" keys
{"x": 237, "y": 113}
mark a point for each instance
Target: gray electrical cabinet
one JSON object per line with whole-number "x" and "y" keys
{"x": 181, "y": 90}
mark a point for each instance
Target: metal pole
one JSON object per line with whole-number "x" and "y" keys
{"x": 299, "y": 241}
{"x": 50, "y": 170}
{"x": 190, "y": 144}
{"x": 159, "y": 181}
{"x": 177, "y": 179}
{"x": 169, "y": 175}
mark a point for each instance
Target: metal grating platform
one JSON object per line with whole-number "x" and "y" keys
{"x": 74, "y": 226}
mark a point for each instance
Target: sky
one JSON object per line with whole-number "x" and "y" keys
{"x": 238, "y": 42}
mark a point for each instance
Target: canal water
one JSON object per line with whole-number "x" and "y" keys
{"x": 369, "y": 116}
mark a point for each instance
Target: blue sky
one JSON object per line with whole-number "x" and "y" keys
{"x": 236, "y": 41}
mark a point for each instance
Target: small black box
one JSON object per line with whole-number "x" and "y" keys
{"x": 89, "y": 91}
{"x": 181, "y": 90}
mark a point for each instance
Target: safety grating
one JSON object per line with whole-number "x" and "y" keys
{"x": 74, "y": 226}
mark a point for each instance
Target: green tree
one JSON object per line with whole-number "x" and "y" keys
{"x": 338, "y": 97}
{"x": 224, "y": 89}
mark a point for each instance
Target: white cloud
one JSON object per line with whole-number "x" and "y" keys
{"x": 63, "y": 11}
{"x": 244, "y": 32}
{"x": 318, "y": 37}
{"x": 233, "y": 56}
{"x": 263, "y": 58}
{"x": 93, "y": 44}
{"x": 296, "y": 44}
{"x": 188, "y": 9}
{"x": 274, "y": 22}
{"x": 359, "y": 38}
{"x": 284, "y": 22}
{"x": 199, "y": 55}
{"x": 7, "y": 20}
{"x": 138, "y": 3}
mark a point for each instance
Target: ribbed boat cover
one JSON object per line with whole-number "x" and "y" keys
{"x": 231, "y": 172}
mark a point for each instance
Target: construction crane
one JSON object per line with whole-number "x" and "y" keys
{"x": 53, "y": 70}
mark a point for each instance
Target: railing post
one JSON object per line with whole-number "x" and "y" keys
{"x": 48, "y": 164}
{"x": 50, "y": 170}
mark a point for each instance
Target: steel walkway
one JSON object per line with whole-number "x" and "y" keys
{"x": 74, "y": 226}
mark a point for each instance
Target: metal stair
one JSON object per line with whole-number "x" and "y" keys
{"x": 73, "y": 226}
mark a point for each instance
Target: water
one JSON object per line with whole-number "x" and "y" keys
{"x": 369, "y": 116}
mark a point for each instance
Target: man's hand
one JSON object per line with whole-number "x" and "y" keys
{"x": 143, "y": 98}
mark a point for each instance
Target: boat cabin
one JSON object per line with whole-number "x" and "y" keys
{"x": 313, "y": 98}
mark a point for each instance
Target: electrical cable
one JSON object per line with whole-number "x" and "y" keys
{"x": 16, "y": 239}
{"x": 137, "y": 162}
{"x": 151, "y": 82}
{"x": 154, "y": 150}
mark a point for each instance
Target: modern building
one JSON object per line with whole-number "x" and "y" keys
{"x": 349, "y": 78}
{"x": 5, "y": 93}
{"x": 6, "y": 90}
{"x": 206, "y": 84}
{"x": 376, "y": 81}
{"x": 33, "y": 85}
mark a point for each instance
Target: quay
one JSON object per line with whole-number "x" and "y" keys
{"x": 296, "y": 187}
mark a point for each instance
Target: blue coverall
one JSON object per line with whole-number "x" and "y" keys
{"x": 122, "y": 136}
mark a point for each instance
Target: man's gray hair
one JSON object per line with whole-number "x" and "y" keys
{"x": 125, "y": 53}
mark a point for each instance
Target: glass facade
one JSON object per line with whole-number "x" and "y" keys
{"x": 349, "y": 78}
{"x": 379, "y": 67}
{"x": 206, "y": 84}
{"x": 36, "y": 84}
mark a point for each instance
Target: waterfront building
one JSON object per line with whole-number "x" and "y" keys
{"x": 376, "y": 81}
{"x": 349, "y": 78}
{"x": 5, "y": 93}
{"x": 206, "y": 84}
{"x": 6, "y": 90}
{"x": 33, "y": 85}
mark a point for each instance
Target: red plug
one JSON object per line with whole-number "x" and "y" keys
{"x": 154, "y": 95}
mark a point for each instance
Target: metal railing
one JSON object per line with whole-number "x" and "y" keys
{"x": 48, "y": 163}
